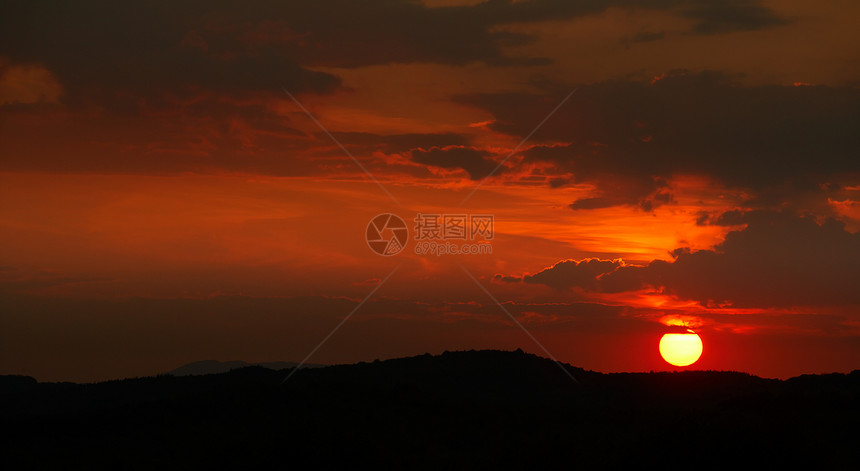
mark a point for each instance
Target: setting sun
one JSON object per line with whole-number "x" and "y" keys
{"x": 681, "y": 349}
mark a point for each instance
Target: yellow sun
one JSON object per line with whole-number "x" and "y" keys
{"x": 681, "y": 349}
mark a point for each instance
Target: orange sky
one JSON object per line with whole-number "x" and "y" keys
{"x": 165, "y": 201}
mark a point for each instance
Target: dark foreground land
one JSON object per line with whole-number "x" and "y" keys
{"x": 459, "y": 410}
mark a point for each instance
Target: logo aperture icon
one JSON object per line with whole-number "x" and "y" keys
{"x": 387, "y": 234}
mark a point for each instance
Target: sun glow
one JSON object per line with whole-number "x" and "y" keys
{"x": 681, "y": 349}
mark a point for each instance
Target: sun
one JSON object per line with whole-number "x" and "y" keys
{"x": 681, "y": 349}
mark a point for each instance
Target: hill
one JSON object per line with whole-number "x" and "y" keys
{"x": 208, "y": 367}
{"x": 458, "y": 410}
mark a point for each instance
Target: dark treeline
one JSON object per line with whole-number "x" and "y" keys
{"x": 458, "y": 410}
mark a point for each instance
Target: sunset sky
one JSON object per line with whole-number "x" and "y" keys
{"x": 163, "y": 199}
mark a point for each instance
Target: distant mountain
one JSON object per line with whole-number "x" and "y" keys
{"x": 458, "y": 410}
{"x": 208, "y": 367}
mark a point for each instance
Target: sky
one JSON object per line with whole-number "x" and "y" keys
{"x": 195, "y": 180}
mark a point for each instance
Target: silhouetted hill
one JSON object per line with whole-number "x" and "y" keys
{"x": 458, "y": 410}
{"x": 208, "y": 367}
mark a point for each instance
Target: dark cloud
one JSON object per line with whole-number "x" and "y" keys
{"x": 399, "y": 143}
{"x": 256, "y": 116}
{"x": 117, "y": 54}
{"x": 640, "y": 191}
{"x": 755, "y": 137}
{"x": 205, "y": 136}
{"x": 99, "y": 46}
{"x": 500, "y": 278}
{"x": 204, "y": 74}
{"x": 777, "y": 260}
{"x": 735, "y": 217}
{"x": 476, "y": 162}
{"x": 641, "y": 196}
{"x": 594, "y": 203}
{"x": 724, "y": 17}
{"x": 569, "y": 274}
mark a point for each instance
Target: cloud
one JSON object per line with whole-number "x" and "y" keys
{"x": 27, "y": 84}
{"x": 116, "y": 54}
{"x": 204, "y": 78}
{"x": 725, "y": 17}
{"x": 686, "y": 123}
{"x": 207, "y": 135}
{"x": 645, "y": 194}
{"x": 399, "y": 143}
{"x": 500, "y": 278}
{"x": 568, "y": 274}
{"x": 476, "y": 162}
{"x": 593, "y": 203}
{"x": 266, "y": 45}
{"x": 777, "y": 260}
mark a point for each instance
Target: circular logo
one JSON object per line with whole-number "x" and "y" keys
{"x": 387, "y": 234}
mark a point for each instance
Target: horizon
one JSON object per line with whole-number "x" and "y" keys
{"x": 338, "y": 182}
{"x": 224, "y": 368}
